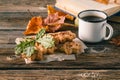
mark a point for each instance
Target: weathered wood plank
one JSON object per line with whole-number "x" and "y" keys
{"x": 83, "y": 61}
{"x": 60, "y": 74}
{"x": 21, "y": 15}
{"x": 16, "y": 8}
{"x": 26, "y": 2}
{"x": 23, "y": 5}
{"x": 10, "y": 36}
{"x": 13, "y": 24}
{"x": 9, "y": 9}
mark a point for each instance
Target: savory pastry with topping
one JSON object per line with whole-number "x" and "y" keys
{"x": 63, "y": 36}
{"x": 34, "y": 48}
{"x": 70, "y": 47}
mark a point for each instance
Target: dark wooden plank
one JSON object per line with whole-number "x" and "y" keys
{"x": 116, "y": 28}
{"x": 9, "y": 9}
{"x": 26, "y": 2}
{"x": 60, "y": 74}
{"x": 114, "y": 19}
{"x": 103, "y": 60}
{"x": 21, "y": 15}
{"x": 23, "y": 5}
{"x": 24, "y": 8}
{"x": 10, "y": 36}
{"x": 13, "y": 24}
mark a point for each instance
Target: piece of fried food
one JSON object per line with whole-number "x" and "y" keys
{"x": 42, "y": 50}
{"x": 59, "y": 37}
{"x": 31, "y": 58}
{"x": 70, "y": 47}
{"x": 63, "y": 36}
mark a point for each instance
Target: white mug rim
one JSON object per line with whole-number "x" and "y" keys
{"x": 104, "y": 19}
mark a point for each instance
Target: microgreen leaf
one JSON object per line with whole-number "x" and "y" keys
{"x": 25, "y": 47}
{"x": 40, "y": 34}
{"x": 47, "y": 41}
{"x": 29, "y": 51}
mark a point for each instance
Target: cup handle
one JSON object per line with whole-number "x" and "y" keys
{"x": 106, "y": 25}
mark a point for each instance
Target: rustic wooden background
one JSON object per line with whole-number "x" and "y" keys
{"x": 94, "y": 66}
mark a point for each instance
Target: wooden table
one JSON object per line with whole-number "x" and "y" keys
{"x": 102, "y": 63}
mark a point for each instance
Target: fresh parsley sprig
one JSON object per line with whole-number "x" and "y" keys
{"x": 47, "y": 41}
{"x": 40, "y": 34}
{"x": 28, "y": 45}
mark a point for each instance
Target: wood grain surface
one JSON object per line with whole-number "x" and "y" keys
{"x": 100, "y": 62}
{"x": 59, "y": 75}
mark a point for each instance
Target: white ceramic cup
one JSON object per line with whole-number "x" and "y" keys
{"x": 94, "y": 31}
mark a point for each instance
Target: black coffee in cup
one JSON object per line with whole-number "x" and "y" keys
{"x": 93, "y": 26}
{"x": 92, "y": 18}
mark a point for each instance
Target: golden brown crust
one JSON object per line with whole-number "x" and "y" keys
{"x": 62, "y": 37}
{"x": 70, "y": 47}
{"x": 31, "y": 58}
{"x": 63, "y": 42}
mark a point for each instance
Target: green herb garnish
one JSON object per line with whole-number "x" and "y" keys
{"x": 40, "y": 34}
{"x": 25, "y": 47}
{"x": 28, "y": 45}
{"x": 47, "y": 41}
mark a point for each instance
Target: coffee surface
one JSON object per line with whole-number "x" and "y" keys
{"x": 92, "y": 18}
